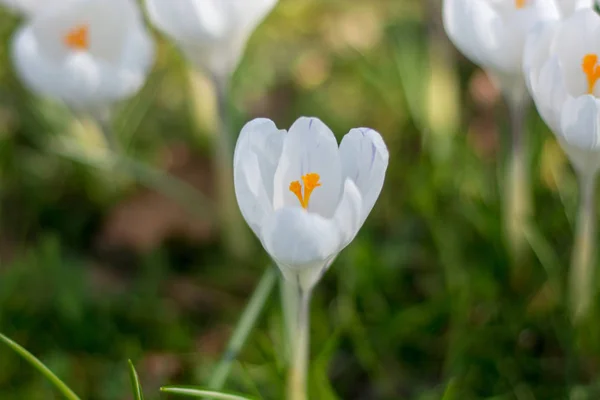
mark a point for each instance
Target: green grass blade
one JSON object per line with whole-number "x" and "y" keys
{"x": 451, "y": 392}
{"x": 37, "y": 364}
{"x": 197, "y": 392}
{"x": 135, "y": 383}
{"x": 244, "y": 327}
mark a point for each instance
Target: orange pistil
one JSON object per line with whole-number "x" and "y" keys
{"x": 310, "y": 181}
{"x": 78, "y": 38}
{"x": 520, "y": 3}
{"x": 592, "y": 70}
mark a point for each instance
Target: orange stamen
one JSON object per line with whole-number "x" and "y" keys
{"x": 592, "y": 70}
{"x": 520, "y": 3}
{"x": 310, "y": 181}
{"x": 78, "y": 38}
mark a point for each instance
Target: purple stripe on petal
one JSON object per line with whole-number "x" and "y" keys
{"x": 373, "y": 152}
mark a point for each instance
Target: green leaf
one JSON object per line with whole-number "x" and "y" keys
{"x": 451, "y": 392}
{"x": 244, "y": 327}
{"x": 199, "y": 392}
{"x": 37, "y": 364}
{"x": 135, "y": 383}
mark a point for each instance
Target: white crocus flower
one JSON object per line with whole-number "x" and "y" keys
{"x": 563, "y": 73}
{"x": 563, "y": 69}
{"x": 304, "y": 197}
{"x": 492, "y": 34}
{"x": 87, "y": 53}
{"x": 212, "y": 33}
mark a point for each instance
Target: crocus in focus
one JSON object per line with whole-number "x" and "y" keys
{"x": 306, "y": 198}
{"x": 87, "y": 53}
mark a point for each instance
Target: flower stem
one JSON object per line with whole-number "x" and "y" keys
{"x": 583, "y": 256}
{"x": 517, "y": 191}
{"x": 290, "y": 298}
{"x": 235, "y": 235}
{"x": 298, "y": 372}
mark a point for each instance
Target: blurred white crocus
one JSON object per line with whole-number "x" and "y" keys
{"x": 492, "y": 34}
{"x": 304, "y": 197}
{"x": 563, "y": 74}
{"x": 87, "y": 53}
{"x": 211, "y": 33}
{"x": 562, "y": 67}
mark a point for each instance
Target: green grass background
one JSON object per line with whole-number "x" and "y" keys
{"x": 424, "y": 303}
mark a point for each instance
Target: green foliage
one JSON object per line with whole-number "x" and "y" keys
{"x": 202, "y": 393}
{"x": 38, "y": 365}
{"x": 135, "y": 382}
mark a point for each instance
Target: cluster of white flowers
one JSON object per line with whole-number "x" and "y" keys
{"x": 91, "y": 53}
{"x": 304, "y": 197}
{"x": 548, "y": 50}
{"x": 549, "y": 47}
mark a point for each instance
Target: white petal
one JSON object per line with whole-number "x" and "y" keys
{"x": 309, "y": 147}
{"x": 492, "y": 33}
{"x": 512, "y": 31}
{"x": 580, "y": 122}
{"x": 458, "y": 21}
{"x": 256, "y": 156}
{"x": 212, "y": 33}
{"x": 489, "y": 33}
{"x": 365, "y": 158}
{"x": 568, "y": 7}
{"x": 190, "y": 21}
{"x": 549, "y": 93}
{"x": 576, "y": 37}
{"x": 349, "y": 214}
{"x": 537, "y": 50}
{"x": 297, "y": 238}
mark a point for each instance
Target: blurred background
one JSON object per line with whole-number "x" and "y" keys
{"x": 97, "y": 266}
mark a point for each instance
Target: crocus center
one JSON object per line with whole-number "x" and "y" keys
{"x": 592, "y": 70}
{"x": 78, "y": 38}
{"x": 520, "y": 3}
{"x": 310, "y": 181}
